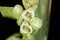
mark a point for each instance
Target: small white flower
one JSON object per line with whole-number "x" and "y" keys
{"x": 28, "y": 14}
{"x": 25, "y": 28}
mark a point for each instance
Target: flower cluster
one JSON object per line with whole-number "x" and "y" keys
{"x": 27, "y": 20}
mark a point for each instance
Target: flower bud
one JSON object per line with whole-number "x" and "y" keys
{"x": 30, "y": 3}
{"x": 36, "y": 23}
{"x": 33, "y": 2}
{"x": 19, "y": 21}
{"x": 17, "y": 10}
{"x": 15, "y": 36}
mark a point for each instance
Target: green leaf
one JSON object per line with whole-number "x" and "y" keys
{"x": 42, "y": 13}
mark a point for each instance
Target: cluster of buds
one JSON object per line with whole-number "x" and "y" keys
{"x": 27, "y": 21}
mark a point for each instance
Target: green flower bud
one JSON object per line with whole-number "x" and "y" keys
{"x": 28, "y": 14}
{"x": 26, "y": 5}
{"x": 19, "y": 21}
{"x": 17, "y": 10}
{"x": 27, "y": 37}
{"x": 30, "y": 3}
{"x": 33, "y": 2}
{"x": 36, "y": 23}
{"x": 25, "y": 28}
{"x": 14, "y": 37}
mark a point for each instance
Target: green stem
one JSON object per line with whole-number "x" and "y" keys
{"x": 42, "y": 13}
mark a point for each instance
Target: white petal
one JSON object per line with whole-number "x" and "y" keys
{"x": 26, "y": 25}
{"x": 31, "y": 11}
